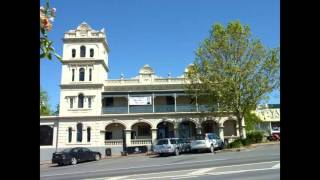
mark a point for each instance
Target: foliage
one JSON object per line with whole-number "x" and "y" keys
{"x": 44, "y": 106}
{"x": 255, "y": 137}
{"x": 46, "y": 19}
{"x": 251, "y": 120}
{"x": 235, "y": 144}
{"x": 233, "y": 70}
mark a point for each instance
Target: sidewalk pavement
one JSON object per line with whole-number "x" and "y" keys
{"x": 251, "y": 146}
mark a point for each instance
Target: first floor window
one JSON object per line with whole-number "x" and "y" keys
{"x": 72, "y": 74}
{"x": 80, "y": 101}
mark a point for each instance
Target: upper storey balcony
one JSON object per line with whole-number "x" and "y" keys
{"x": 154, "y": 102}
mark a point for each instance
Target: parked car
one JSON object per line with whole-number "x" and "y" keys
{"x": 168, "y": 146}
{"x": 75, "y": 155}
{"x": 186, "y": 145}
{"x": 208, "y": 141}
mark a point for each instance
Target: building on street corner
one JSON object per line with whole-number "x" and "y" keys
{"x": 99, "y": 113}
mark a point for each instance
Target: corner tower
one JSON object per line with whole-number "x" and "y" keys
{"x": 84, "y": 70}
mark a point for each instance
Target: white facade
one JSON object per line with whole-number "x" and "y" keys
{"x": 91, "y": 100}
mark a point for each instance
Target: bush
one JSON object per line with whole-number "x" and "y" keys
{"x": 246, "y": 141}
{"x": 235, "y": 144}
{"x": 254, "y": 137}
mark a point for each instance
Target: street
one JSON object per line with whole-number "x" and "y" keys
{"x": 262, "y": 162}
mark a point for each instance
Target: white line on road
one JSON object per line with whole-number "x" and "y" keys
{"x": 201, "y": 171}
{"x": 276, "y": 166}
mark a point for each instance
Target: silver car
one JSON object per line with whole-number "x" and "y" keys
{"x": 208, "y": 141}
{"x": 168, "y": 146}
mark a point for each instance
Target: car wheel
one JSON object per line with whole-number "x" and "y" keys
{"x": 97, "y": 157}
{"x": 74, "y": 161}
{"x": 176, "y": 152}
{"x": 211, "y": 149}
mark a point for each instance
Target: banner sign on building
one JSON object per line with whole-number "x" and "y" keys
{"x": 140, "y": 100}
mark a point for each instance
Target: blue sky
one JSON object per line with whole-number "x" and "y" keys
{"x": 161, "y": 33}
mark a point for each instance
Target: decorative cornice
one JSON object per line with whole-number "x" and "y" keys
{"x": 85, "y": 61}
{"x": 88, "y": 39}
{"x": 80, "y": 85}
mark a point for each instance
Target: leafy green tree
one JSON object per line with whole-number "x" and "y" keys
{"x": 234, "y": 70}
{"x": 251, "y": 120}
{"x": 44, "y": 106}
{"x": 46, "y": 19}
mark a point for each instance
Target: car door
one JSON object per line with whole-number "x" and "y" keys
{"x": 86, "y": 154}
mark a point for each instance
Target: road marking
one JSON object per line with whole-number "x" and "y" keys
{"x": 159, "y": 165}
{"x": 201, "y": 171}
{"x": 276, "y": 166}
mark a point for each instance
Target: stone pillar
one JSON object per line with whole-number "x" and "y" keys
{"x": 176, "y": 132}
{"x": 154, "y": 135}
{"x": 199, "y": 130}
{"x": 128, "y": 137}
{"x": 221, "y": 132}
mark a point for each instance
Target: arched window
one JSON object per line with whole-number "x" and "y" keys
{"x": 73, "y": 53}
{"x": 90, "y": 74}
{"x": 82, "y": 51}
{"x": 80, "y": 101}
{"x": 72, "y": 74}
{"x": 81, "y": 74}
{"x": 71, "y": 103}
{"x": 88, "y": 134}
{"x": 91, "y": 52}
{"x": 69, "y": 134}
{"x": 79, "y": 132}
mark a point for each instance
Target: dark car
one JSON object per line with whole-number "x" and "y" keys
{"x": 75, "y": 155}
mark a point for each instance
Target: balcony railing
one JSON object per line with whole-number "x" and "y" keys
{"x": 157, "y": 108}
{"x": 186, "y": 108}
{"x": 164, "y": 108}
{"x": 115, "y": 110}
{"x": 114, "y": 142}
{"x": 141, "y": 141}
{"x": 141, "y": 109}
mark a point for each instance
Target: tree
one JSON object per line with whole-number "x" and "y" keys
{"x": 46, "y": 19}
{"x": 44, "y": 106}
{"x": 56, "y": 113}
{"x": 251, "y": 120}
{"x": 234, "y": 70}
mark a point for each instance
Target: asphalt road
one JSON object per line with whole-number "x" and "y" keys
{"x": 262, "y": 162}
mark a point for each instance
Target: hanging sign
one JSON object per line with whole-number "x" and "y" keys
{"x": 140, "y": 100}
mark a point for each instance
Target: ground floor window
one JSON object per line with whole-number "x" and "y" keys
{"x": 46, "y": 135}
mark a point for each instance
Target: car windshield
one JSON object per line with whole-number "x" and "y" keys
{"x": 66, "y": 150}
{"x": 162, "y": 141}
{"x": 173, "y": 141}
